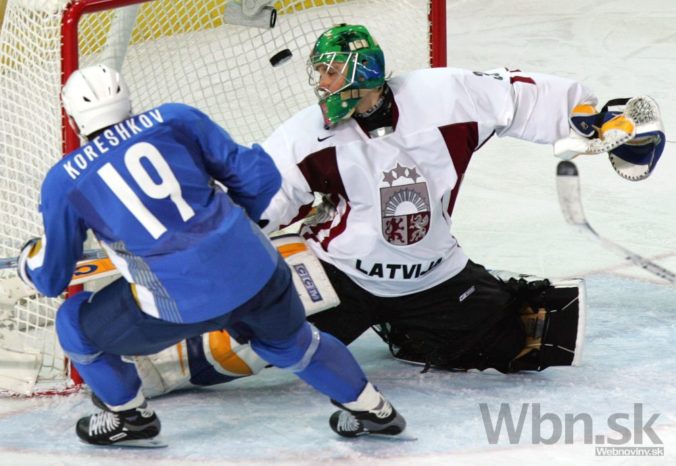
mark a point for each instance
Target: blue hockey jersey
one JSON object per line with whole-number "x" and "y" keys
{"x": 146, "y": 188}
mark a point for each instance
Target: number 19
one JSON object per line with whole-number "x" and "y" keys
{"x": 168, "y": 187}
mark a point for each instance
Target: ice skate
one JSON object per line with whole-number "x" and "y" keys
{"x": 137, "y": 427}
{"x": 382, "y": 420}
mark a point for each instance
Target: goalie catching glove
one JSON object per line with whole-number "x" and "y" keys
{"x": 629, "y": 130}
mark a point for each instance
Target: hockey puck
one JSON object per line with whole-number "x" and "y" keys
{"x": 281, "y": 57}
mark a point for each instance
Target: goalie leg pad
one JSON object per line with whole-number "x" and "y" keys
{"x": 542, "y": 325}
{"x": 554, "y": 322}
{"x": 216, "y": 358}
{"x": 313, "y": 286}
{"x": 163, "y": 372}
{"x": 189, "y": 363}
{"x": 481, "y": 331}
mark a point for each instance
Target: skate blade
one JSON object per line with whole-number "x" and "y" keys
{"x": 138, "y": 443}
{"x": 395, "y": 438}
{"x": 402, "y": 437}
{"x": 143, "y": 443}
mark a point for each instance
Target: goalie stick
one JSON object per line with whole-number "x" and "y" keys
{"x": 568, "y": 188}
{"x": 94, "y": 265}
{"x": 11, "y": 262}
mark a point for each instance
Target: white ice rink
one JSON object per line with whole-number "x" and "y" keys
{"x": 507, "y": 217}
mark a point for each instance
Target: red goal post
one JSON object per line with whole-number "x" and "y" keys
{"x": 207, "y": 53}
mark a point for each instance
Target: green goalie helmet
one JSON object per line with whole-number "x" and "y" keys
{"x": 345, "y": 62}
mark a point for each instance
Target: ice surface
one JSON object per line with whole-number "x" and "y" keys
{"x": 507, "y": 217}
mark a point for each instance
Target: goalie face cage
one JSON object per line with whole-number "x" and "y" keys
{"x": 205, "y": 53}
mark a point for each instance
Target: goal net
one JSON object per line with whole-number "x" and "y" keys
{"x": 212, "y": 54}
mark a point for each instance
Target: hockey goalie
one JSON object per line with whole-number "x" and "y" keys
{"x": 387, "y": 156}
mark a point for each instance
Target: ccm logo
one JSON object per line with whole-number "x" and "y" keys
{"x": 308, "y": 283}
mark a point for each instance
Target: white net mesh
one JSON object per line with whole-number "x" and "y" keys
{"x": 30, "y": 141}
{"x": 167, "y": 51}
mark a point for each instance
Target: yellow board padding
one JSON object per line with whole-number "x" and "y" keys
{"x": 176, "y": 18}
{"x": 163, "y": 18}
{"x": 154, "y": 19}
{"x": 221, "y": 351}
{"x": 289, "y": 6}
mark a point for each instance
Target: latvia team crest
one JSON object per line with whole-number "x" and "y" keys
{"x": 404, "y": 206}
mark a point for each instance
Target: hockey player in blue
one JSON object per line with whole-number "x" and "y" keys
{"x": 191, "y": 257}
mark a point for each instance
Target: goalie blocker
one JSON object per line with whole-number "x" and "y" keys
{"x": 546, "y": 319}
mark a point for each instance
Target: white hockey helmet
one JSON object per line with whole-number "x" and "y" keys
{"x": 95, "y": 97}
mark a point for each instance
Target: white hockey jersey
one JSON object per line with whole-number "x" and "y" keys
{"x": 394, "y": 194}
